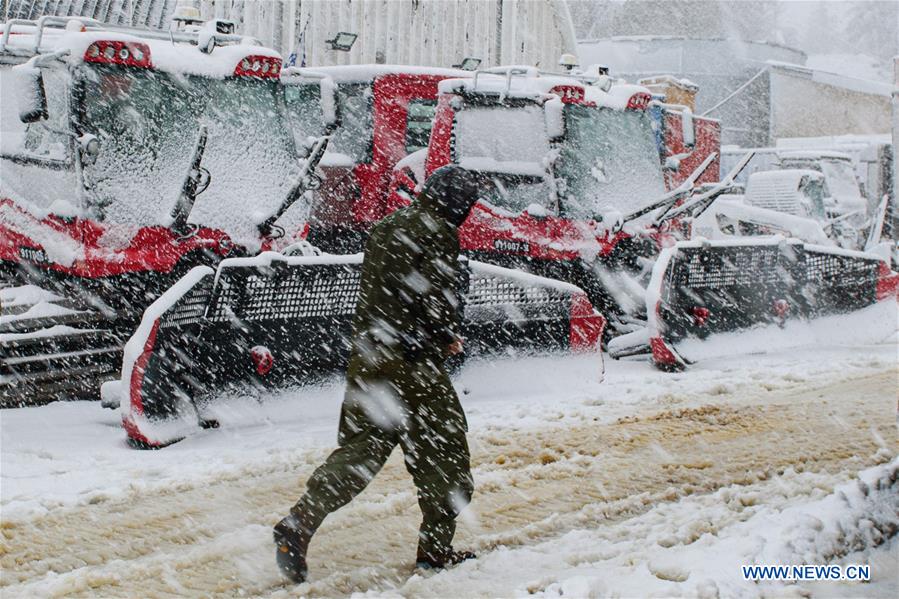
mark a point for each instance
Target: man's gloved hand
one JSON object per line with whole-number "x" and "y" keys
{"x": 455, "y": 348}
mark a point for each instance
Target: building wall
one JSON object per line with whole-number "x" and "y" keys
{"x": 420, "y": 32}
{"x": 147, "y": 13}
{"x": 804, "y": 107}
{"x": 432, "y": 32}
{"x": 718, "y": 66}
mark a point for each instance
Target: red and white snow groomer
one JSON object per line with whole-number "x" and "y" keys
{"x": 124, "y": 154}
{"x": 772, "y": 256}
{"x": 575, "y": 168}
{"x": 127, "y": 157}
{"x": 579, "y": 194}
{"x": 386, "y": 114}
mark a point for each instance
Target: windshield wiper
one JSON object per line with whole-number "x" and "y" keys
{"x": 701, "y": 203}
{"x": 195, "y": 183}
{"x": 672, "y": 197}
{"x": 306, "y": 180}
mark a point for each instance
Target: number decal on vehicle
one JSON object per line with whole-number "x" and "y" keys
{"x": 33, "y": 255}
{"x": 512, "y": 246}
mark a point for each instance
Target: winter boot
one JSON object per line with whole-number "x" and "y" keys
{"x": 292, "y": 540}
{"x": 429, "y": 561}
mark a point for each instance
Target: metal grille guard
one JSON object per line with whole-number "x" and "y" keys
{"x": 700, "y": 288}
{"x": 273, "y": 320}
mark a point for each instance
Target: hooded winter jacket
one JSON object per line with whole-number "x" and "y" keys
{"x": 409, "y": 305}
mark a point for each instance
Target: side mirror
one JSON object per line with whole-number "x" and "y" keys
{"x": 89, "y": 145}
{"x": 689, "y": 130}
{"x": 328, "y": 102}
{"x": 536, "y": 211}
{"x": 672, "y": 164}
{"x": 554, "y": 115}
{"x": 33, "y": 100}
{"x": 331, "y": 116}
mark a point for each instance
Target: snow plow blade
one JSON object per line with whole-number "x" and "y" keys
{"x": 273, "y": 321}
{"x": 751, "y": 295}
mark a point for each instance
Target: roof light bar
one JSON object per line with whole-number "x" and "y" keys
{"x": 639, "y": 101}
{"x": 129, "y": 54}
{"x": 570, "y": 94}
{"x": 264, "y": 67}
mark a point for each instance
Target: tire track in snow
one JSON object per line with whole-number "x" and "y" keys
{"x": 214, "y": 538}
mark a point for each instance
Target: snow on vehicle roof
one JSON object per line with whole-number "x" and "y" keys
{"x": 832, "y": 141}
{"x": 788, "y": 175}
{"x": 368, "y": 72}
{"x": 813, "y": 155}
{"x": 617, "y": 97}
{"x": 670, "y": 79}
{"x": 525, "y": 82}
{"x": 165, "y": 56}
{"x": 531, "y": 83}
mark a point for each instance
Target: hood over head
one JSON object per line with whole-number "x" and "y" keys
{"x": 451, "y": 191}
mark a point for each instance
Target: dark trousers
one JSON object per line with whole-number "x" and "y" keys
{"x": 412, "y": 405}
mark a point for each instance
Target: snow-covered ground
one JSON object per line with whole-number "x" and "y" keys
{"x": 643, "y": 484}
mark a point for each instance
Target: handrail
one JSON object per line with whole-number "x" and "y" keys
{"x": 45, "y": 21}
{"x": 507, "y": 71}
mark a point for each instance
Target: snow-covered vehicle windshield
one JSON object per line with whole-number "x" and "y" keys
{"x": 352, "y": 141}
{"x": 148, "y": 124}
{"x": 608, "y": 162}
{"x": 841, "y": 179}
{"x": 839, "y": 173}
{"x": 500, "y": 139}
{"x": 512, "y": 145}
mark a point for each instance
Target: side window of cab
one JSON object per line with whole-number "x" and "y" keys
{"x": 304, "y": 110}
{"x": 419, "y": 119}
{"x": 42, "y": 140}
{"x": 814, "y": 192}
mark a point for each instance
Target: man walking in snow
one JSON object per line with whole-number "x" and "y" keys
{"x": 398, "y": 391}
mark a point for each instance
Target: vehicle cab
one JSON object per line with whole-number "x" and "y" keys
{"x": 386, "y": 113}
{"x": 845, "y": 197}
{"x": 788, "y": 202}
{"x": 127, "y": 152}
{"x": 568, "y": 162}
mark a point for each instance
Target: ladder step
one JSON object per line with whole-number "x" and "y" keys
{"x": 61, "y": 362}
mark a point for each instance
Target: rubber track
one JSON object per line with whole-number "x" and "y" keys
{"x": 36, "y": 369}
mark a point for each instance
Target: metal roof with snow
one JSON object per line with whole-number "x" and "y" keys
{"x": 864, "y": 86}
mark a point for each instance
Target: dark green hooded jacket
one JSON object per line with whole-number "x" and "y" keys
{"x": 409, "y": 308}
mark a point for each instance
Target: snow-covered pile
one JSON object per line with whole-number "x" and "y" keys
{"x": 696, "y": 547}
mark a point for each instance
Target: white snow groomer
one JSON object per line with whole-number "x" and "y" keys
{"x": 277, "y": 320}
{"x": 777, "y": 267}
{"x": 127, "y": 157}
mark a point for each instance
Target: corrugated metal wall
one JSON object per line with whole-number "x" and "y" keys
{"x": 423, "y": 32}
{"x": 148, "y": 13}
